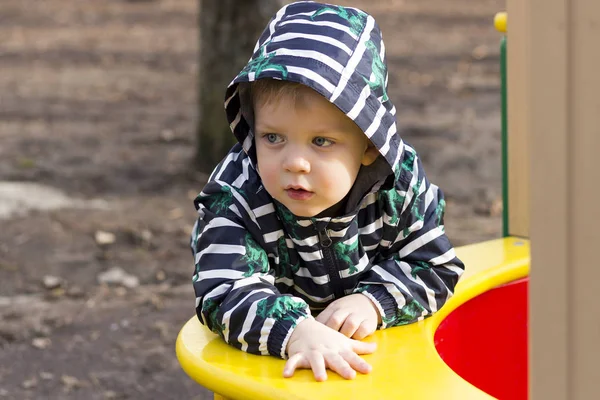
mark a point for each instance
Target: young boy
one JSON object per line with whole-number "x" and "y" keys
{"x": 321, "y": 209}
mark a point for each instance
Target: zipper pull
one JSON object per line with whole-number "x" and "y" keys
{"x": 324, "y": 238}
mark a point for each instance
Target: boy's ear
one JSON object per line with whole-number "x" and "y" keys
{"x": 371, "y": 154}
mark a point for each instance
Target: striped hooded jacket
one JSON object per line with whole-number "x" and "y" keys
{"x": 260, "y": 270}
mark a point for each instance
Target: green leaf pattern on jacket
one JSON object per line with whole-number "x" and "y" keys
{"x": 255, "y": 257}
{"x": 409, "y": 161}
{"x": 286, "y": 269}
{"x": 288, "y": 219}
{"x": 406, "y": 165}
{"x": 219, "y": 203}
{"x": 263, "y": 62}
{"x": 343, "y": 252}
{"x": 281, "y": 309}
{"x": 378, "y": 69}
{"x": 415, "y": 209}
{"x": 361, "y": 289}
{"x": 396, "y": 201}
{"x": 418, "y": 266}
{"x": 439, "y": 212}
{"x": 409, "y": 313}
{"x": 357, "y": 21}
{"x": 211, "y": 308}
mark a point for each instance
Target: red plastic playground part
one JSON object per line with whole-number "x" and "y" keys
{"x": 485, "y": 341}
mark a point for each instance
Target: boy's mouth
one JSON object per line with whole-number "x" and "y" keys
{"x": 298, "y": 193}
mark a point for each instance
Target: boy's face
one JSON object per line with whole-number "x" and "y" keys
{"x": 309, "y": 152}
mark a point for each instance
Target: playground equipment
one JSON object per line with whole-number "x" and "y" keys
{"x": 475, "y": 347}
{"x": 406, "y": 363}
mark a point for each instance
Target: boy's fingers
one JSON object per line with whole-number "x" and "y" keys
{"x": 363, "y": 347}
{"x": 337, "y": 363}
{"x": 337, "y": 319}
{"x": 317, "y": 364}
{"x": 351, "y": 325}
{"x": 324, "y": 316}
{"x": 363, "y": 331}
{"x": 295, "y": 361}
{"x": 357, "y": 363}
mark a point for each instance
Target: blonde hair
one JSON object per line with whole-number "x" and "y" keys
{"x": 267, "y": 91}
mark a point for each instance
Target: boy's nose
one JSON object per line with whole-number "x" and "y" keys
{"x": 297, "y": 163}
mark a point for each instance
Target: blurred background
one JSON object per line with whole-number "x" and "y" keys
{"x": 100, "y": 159}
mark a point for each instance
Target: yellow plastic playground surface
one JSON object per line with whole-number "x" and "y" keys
{"x": 405, "y": 365}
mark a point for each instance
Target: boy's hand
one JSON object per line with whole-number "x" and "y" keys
{"x": 316, "y": 346}
{"x": 354, "y": 316}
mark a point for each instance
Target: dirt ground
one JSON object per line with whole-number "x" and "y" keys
{"x": 97, "y": 99}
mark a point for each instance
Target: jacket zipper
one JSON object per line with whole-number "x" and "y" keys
{"x": 334, "y": 275}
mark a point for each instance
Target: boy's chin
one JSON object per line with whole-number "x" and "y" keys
{"x": 304, "y": 212}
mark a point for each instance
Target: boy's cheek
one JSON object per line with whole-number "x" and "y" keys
{"x": 267, "y": 175}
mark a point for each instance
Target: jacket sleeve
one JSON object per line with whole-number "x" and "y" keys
{"x": 416, "y": 274}
{"x": 234, "y": 286}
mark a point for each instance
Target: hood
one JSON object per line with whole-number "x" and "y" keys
{"x": 339, "y": 52}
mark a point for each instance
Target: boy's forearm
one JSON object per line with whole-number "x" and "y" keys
{"x": 419, "y": 269}
{"x": 405, "y": 293}
{"x": 255, "y": 319}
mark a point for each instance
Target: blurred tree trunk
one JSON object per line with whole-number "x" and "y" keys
{"x": 228, "y": 31}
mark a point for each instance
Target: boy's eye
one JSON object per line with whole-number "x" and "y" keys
{"x": 322, "y": 142}
{"x": 273, "y": 138}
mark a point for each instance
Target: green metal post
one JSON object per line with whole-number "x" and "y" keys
{"x": 505, "y": 230}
